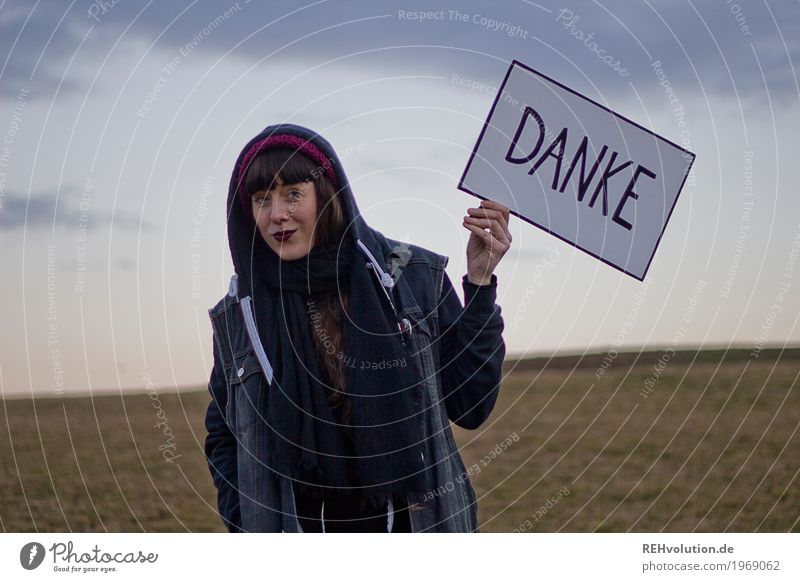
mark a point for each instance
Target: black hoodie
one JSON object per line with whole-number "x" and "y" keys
{"x": 470, "y": 345}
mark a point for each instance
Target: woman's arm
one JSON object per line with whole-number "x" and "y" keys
{"x": 220, "y": 449}
{"x": 472, "y": 347}
{"x": 472, "y": 350}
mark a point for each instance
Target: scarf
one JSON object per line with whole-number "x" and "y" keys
{"x": 383, "y": 383}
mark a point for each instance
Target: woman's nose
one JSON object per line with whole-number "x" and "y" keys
{"x": 279, "y": 212}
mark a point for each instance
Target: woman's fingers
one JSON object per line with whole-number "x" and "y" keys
{"x": 485, "y": 236}
{"x": 497, "y": 243}
{"x": 496, "y": 226}
{"x": 494, "y": 205}
{"x": 500, "y": 214}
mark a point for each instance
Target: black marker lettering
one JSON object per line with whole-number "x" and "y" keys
{"x": 584, "y": 181}
{"x": 561, "y": 142}
{"x": 529, "y": 111}
{"x": 603, "y": 183}
{"x": 629, "y": 193}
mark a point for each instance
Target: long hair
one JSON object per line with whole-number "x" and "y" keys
{"x": 292, "y": 167}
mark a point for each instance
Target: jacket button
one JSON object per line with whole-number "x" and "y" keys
{"x": 405, "y": 327}
{"x": 240, "y": 372}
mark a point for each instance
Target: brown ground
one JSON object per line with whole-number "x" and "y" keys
{"x": 712, "y": 448}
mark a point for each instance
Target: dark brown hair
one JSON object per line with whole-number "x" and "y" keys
{"x": 292, "y": 167}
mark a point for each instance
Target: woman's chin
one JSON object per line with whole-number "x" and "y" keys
{"x": 290, "y": 252}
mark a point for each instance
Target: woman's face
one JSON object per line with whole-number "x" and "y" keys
{"x": 286, "y": 217}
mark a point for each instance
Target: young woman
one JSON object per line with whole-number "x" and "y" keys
{"x": 341, "y": 356}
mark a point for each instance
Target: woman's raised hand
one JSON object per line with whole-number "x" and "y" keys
{"x": 489, "y": 240}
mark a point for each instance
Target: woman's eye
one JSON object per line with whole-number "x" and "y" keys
{"x": 296, "y": 194}
{"x": 261, "y": 199}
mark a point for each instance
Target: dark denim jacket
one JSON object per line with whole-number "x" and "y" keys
{"x": 460, "y": 349}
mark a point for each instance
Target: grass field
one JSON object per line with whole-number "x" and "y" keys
{"x": 708, "y": 442}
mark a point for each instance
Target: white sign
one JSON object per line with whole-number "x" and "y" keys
{"x": 577, "y": 170}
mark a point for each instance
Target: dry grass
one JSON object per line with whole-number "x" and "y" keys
{"x": 713, "y": 448}
{"x": 94, "y": 464}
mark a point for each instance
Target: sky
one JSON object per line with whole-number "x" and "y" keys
{"x": 121, "y": 121}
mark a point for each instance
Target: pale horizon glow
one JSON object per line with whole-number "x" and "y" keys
{"x": 119, "y": 133}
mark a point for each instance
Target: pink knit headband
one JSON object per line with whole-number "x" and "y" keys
{"x": 293, "y": 142}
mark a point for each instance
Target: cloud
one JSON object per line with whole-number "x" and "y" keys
{"x": 38, "y": 45}
{"x": 45, "y": 210}
{"x": 718, "y": 48}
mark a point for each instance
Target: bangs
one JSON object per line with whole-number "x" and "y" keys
{"x": 288, "y": 164}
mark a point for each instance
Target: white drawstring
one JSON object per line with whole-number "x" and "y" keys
{"x": 233, "y": 288}
{"x": 386, "y": 278}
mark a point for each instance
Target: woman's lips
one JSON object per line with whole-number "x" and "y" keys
{"x": 284, "y": 235}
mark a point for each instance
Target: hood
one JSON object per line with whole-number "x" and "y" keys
{"x": 242, "y": 232}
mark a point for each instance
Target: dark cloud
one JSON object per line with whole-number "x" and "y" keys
{"x": 712, "y": 47}
{"x": 37, "y": 44}
{"x": 46, "y": 210}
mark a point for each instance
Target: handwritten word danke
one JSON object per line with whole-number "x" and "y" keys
{"x": 562, "y": 152}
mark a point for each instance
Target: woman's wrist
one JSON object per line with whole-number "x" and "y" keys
{"x": 479, "y": 300}
{"x": 480, "y": 281}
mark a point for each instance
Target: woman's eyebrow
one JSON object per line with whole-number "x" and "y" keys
{"x": 272, "y": 187}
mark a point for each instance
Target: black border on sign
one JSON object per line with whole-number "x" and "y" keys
{"x": 593, "y": 102}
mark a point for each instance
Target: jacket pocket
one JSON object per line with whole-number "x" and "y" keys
{"x": 419, "y": 346}
{"x": 419, "y": 327}
{"x": 247, "y": 391}
{"x": 447, "y": 452}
